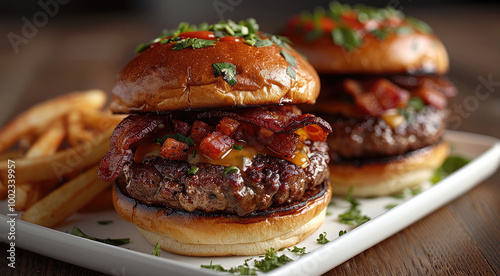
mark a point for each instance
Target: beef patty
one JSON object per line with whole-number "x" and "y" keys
{"x": 266, "y": 181}
{"x": 373, "y": 137}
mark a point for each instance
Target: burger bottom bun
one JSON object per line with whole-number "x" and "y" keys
{"x": 202, "y": 234}
{"x": 389, "y": 176}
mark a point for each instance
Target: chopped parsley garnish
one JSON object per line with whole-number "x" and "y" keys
{"x": 227, "y": 71}
{"x": 353, "y": 216}
{"x": 246, "y": 30}
{"x": 77, "y": 232}
{"x": 193, "y": 170}
{"x": 195, "y": 43}
{"x": 451, "y": 164}
{"x": 232, "y": 169}
{"x": 298, "y": 250}
{"x": 214, "y": 267}
{"x": 416, "y": 103}
{"x": 322, "y": 238}
{"x": 238, "y": 147}
{"x": 105, "y": 222}
{"x": 157, "y": 250}
{"x": 263, "y": 43}
{"x": 271, "y": 261}
{"x": 342, "y": 232}
{"x": 347, "y": 38}
{"x": 243, "y": 269}
{"x": 289, "y": 58}
{"x": 291, "y": 72}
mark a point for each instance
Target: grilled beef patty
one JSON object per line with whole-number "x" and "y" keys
{"x": 267, "y": 181}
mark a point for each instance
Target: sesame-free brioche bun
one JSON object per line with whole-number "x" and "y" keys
{"x": 396, "y": 54}
{"x": 392, "y": 175}
{"x": 161, "y": 80}
{"x": 203, "y": 234}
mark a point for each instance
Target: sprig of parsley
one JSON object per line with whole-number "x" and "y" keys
{"x": 77, "y": 232}
{"x": 271, "y": 261}
{"x": 322, "y": 238}
{"x": 227, "y": 71}
{"x": 353, "y": 216}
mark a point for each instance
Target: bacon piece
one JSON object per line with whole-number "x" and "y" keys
{"x": 173, "y": 149}
{"x": 181, "y": 127}
{"x": 264, "y": 135}
{"x": 244, "y": 131}
{"x": 228, "y": 126}
{"x": 199, "y": 130}
{"x": 431, "y": 97}
{"x": 380, "y": 96}
{"x": 127, "y": 132}
{"x": 389, "y": 95}
{"x": 283, "y": 143}
{"x": 216, "y": 144}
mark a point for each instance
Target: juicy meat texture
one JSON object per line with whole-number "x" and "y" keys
{"x": 373, "y": 137}
{"x": 267, "y": 181}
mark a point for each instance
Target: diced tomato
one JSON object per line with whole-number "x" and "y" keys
{"x": 199, "y": 130}
{"x": 216, "y": 144}
{"x": 283, "y": 143}
{"x": 174, "y": 149}
{"x": 181, "y": 127}
{"x": 208, "y": 35}
{"x": 227, "y": 126}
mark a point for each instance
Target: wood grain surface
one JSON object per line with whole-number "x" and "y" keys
{"x": 461, "y": 238}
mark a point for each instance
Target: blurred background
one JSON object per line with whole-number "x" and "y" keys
{"x": 51, "y": 47}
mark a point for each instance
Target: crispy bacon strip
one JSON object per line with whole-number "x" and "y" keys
{"x": 130, "y": 130}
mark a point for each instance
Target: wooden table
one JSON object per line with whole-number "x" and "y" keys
{"x": 462, "y": 238}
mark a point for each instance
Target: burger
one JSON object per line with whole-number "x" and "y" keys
{"x": 383, "y": 92}
{"x": 215, "y": 158}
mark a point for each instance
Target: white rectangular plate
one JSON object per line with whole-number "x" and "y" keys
{"x": 136, "y": 259}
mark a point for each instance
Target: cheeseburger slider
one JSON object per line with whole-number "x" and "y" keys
{"x": 383, "y": 92}
{"x": 215, "y": 159}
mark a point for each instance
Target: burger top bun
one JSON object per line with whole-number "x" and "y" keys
{"x": 366, "y": 40}
{"x": 227, "y": 74}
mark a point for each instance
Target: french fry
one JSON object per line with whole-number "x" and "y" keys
{"x": 65, "y": 200}
{"x": 62, "y": 163}
{"x": 77, "y": 133}
{"x": 48, "y": 143}
{"x": 41, "y": 115}
{"x": 27, "y": 194}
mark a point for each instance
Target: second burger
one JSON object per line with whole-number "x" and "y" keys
{"x": 383, "y": 92}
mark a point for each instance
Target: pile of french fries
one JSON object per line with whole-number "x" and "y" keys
{"x": 56, "y": 146}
